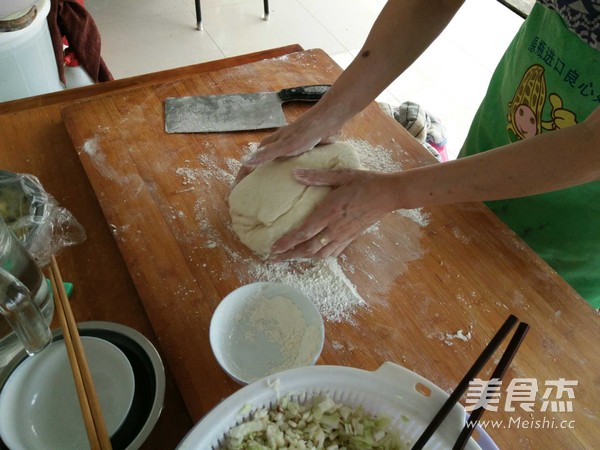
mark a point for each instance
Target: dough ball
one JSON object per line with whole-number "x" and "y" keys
{"x": 269, "y": 202}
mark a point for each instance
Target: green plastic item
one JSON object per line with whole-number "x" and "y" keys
{"x": 68, "y": 287}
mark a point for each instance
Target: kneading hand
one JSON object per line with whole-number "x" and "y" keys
{"x": 359, "y": 198}
{"x": 301, "y": 136}
{"x": 291, "y": 140}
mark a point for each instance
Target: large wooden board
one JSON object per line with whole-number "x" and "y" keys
{"x": 423, "y": 275}
{"x": 35, "y": 141}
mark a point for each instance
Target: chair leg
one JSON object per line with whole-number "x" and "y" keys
{"x": 199, "y": 15}
{"x": 266, "y": 13}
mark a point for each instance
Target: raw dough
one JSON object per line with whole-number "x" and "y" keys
{"x": 269, "y": 202}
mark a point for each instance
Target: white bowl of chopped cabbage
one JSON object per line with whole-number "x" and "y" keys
{"x": 332, "y": 407}
{"x": 263, "y": 328}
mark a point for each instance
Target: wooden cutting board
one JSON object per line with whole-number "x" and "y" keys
{"x": 423, "y": 275}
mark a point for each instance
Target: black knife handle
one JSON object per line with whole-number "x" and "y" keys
{"x": 304, "y": 93}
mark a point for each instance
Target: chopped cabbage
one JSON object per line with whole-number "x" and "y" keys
{"x": 320, "y": 424}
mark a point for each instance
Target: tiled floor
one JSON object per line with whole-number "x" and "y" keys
{"x": 449, "y": 79}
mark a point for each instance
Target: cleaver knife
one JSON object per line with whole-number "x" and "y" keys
{"x": 234, "y": 112}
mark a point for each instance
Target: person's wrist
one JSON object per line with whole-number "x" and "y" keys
{"x": 331, "y": 112}
{"x": 391, "y": 190}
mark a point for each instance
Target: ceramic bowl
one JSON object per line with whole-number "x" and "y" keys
{"x": 145, "y": 406}
{"x": 39, "y": 407}
{"x": 263, "y": 328}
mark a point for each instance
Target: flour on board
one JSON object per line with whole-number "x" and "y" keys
{"x": 448, "y": 338}
{"x": 97, "y": 157}
{"x": 323, "y": 281}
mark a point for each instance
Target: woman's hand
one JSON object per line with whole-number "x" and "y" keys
{"x": 291, "y": 140}
{"x": 359, "y": 198}
{"x": 300, "y": 136}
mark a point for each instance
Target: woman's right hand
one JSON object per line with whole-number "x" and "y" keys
{"x": 294, "y": 139}
{"x": 300, "y": 136}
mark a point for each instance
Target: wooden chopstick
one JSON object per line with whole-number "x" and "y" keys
{"x": 470, "y": 375}
{"x": 84, "y": 384}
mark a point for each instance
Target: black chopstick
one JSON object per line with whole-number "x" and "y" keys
{"x": 470, "y": 375}
{"x": 499, "y": 371}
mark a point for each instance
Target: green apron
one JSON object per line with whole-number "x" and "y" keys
{"x": 548, "y": 79}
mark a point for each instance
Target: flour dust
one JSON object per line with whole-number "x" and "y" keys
{"x": 324, "y": 281}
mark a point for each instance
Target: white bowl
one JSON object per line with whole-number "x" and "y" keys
{"x": 406, "y": 398}
{"x": 264, "y": 328}
{"x": 39, "y": 408}
{"x": 149, "y": 374}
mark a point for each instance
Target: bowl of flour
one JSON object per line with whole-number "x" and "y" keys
{"x": 264, "y": 328}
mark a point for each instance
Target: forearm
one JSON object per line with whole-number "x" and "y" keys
{"x": 548, "y": 162}
{"x": 403, "y": 30}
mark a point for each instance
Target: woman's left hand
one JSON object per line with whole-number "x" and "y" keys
{"x": 359, "y": 198}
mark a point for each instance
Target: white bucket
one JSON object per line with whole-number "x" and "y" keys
{"x": 76, "y": 77}
{"x": 27, "y": 62}
{"x": 8, "y": 8}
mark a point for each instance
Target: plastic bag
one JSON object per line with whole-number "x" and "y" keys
{"x": 36, "y": 218}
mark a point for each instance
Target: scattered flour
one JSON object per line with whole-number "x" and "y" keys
{"x": 189, "y": 175}
{"x": 91, "y": 147}
{"x": 97, "y": 157}
{"x": 461, "y": 236}
{"x": 212, "y": 169}
{"x": 323, "y": 281}
{"x": 375, "y": 158}
{"x": 448, "y": 338}
{"x": 458, "y": 335}
{"x": 337, "y": 346}
{"x": 416, "y": 215}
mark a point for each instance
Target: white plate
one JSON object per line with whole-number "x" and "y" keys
{"x": 149, "y": 375}
{"x": 39, "y": 408}
{"x": 409, "y": 400}
{"x": 263, "y": 328}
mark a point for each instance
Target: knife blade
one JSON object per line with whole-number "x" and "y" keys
{"x": 235, "y": 112}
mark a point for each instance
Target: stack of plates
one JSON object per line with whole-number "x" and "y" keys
{"x": 39, "y": 408}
